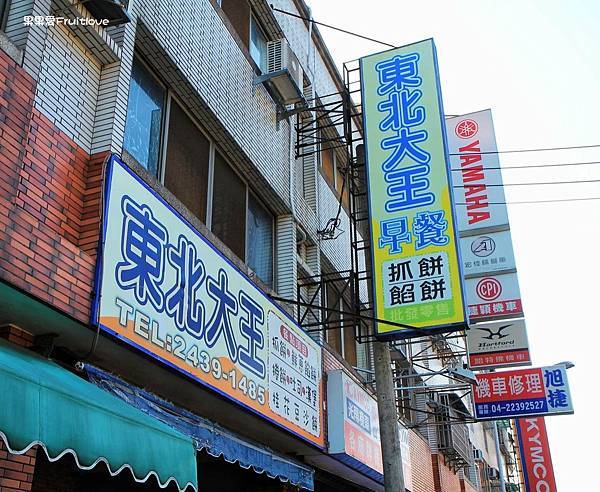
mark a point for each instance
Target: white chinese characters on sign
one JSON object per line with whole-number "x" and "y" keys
{"x": 498, "y": 344}
{"x": 295, "y": 378}
{"x": 524, "y": 392}
{"x": 353, "y": 421}
{"x": 494, "y": 297}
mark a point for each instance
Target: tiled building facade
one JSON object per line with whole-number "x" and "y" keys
{"x": 173, "y": 92}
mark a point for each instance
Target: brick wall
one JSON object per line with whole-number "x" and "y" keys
{"x": 465, "y": 486}
{"x": 16, "y": 470}
{"x": 420, "y": 457}
{"x": 16, "y": 335}
{"x": 445, "y": 479}
{"x": 48, "y": 202}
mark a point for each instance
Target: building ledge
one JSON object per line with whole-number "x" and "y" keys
{"x": 10, "y": 49}
{"x": 93, "y": 36}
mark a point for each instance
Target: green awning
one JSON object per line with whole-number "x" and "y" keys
{"x": 44, "y": 404}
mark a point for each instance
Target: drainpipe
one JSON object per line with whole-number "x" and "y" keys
{"x": 499, "y": 457}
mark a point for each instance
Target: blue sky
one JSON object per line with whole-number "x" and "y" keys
{"x": 536, "y": 64}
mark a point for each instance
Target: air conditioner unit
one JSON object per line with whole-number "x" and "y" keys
{"x": 284, "y": 72}
{"x": 115, "y": 11}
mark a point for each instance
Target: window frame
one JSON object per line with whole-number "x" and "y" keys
{"x": 216, "y": 149}
{"x": 273, "y": 233}
{"x": 211, "y": 150}
{"x": 253, "y": 20}
{"x": 4, "y": 13}
{"x": 332, "y": 183}
{"x": 138, "y": 57}
{"x": 169, "y": 96}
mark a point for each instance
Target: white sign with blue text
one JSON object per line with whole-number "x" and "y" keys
{"x": 165, "y": 289}
{"x": 522, "y": 392}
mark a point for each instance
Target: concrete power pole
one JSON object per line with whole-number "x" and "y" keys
{"x": 388, "y": 419}
{"x": 386, "y": 394}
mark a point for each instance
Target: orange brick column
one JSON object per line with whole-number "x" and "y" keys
{"x": 16, "y": 470}
{"x": 49, "y": 201}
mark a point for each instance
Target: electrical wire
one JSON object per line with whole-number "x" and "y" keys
{"x": 539, "y": 149}
{"x": 510, "y": 151}
{"x": 291, "y": 14}
{"x": 557, "y": 200}
{"x": 532, "y": 166}
{"x": 539, "y": 183}
{"x": 352, "y": 33}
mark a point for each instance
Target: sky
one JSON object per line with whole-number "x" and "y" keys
{"x": 535, "y": 63}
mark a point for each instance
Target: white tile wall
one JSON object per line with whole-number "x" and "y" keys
{"x": 189, "y": 44}
{"x": 68, "y": 84}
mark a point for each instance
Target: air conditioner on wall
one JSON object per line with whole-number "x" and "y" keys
{"x": 284, "y": 73}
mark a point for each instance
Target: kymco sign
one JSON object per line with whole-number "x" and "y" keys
{"x": 535, "y": 455}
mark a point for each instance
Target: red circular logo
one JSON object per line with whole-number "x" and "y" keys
{"x": 466, "y": 128}
{"x": 489, "y": 289}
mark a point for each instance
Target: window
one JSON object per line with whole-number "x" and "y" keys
{"x": 196, "y": 173}
{"x": 238, "y": 14}
{"x": 340, "y": 333}
{"x": 4, "y": 8}
{"x": 341, "y": 184}
{"x": 259, "y": 240}
{"x": 349, "y": 337}
{"x": 404, "y": 398}
{"x": 258, "y": 45}
{"x": 229, "y": 207}
{"x": 145, "y": 108}
{"x": 333, "y": 318}
{"x": 330, "y": 169}
{"x": 327, "y": 157}
{"x": 187, "y": 161}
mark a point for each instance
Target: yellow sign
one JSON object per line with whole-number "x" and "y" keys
{"x": 416, "y": 273}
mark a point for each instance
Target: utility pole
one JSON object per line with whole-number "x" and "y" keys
{"x": 391, "y": 453}
{"x": 388, "y": 419}
{"x": 498, "y": 453}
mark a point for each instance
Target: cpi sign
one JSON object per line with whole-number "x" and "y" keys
{"x": 494, "y": 297}
{"x": 416, "y": 272}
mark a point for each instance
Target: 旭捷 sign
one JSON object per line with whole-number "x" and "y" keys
{"x": 353, "y": 424}
{"x": 416, "y": 273}
{"x": 166, "y": 290}
{"x": 522, "y": 393}
{"x": 498, "y": 344}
